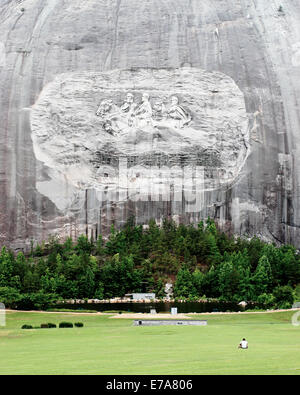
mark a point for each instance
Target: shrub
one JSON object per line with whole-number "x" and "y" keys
{"x": 266, "y": 300}
{"x": 10, "y": 296}
{"x": 36, "y": 301}
{"x": 284, "y": 297}
{"x": 66, "y": 325}
{"x": 27, "y": 326}
{"x": 284, "y": 305}
{"x": 78, "y": 324}
{"x": 297, "y": 293}
{"x": 50, "y": 325}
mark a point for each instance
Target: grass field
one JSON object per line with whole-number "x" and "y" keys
{"x": 113, "y": 346}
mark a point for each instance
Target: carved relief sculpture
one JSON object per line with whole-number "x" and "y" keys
{"x": 152, "y": 128}
{"x": 142, "y": 116}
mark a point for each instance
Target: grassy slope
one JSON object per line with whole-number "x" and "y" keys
{"x": 114, "y": 346}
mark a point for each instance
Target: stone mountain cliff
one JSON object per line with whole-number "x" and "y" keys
{"x": 149, "y": 108}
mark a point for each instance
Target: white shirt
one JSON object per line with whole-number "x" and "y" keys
{"x": 244, "y": 344}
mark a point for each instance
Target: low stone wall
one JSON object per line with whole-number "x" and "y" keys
{"x": 169, "y": 322}
{"x": 127, "y": 300}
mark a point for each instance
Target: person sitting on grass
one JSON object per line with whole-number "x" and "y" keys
{"x": 243, "y": 344}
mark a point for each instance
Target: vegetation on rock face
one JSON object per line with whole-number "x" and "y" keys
{"x": 200, "y": 261}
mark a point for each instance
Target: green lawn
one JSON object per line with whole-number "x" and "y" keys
{"x": 114, "y": 346}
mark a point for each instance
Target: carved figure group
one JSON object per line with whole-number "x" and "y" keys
{"x": 141, "y": 115}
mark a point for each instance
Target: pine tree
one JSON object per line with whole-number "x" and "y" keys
{"x": 228, "y": 280}
{"x": 198, "y": 280}
{"x": 262, "y": 277}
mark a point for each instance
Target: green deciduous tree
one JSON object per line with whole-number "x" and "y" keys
{"x": 184, "y": 286}
{"x": 284, "y": 296}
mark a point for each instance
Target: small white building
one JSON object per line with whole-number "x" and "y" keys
{"x": 140, "y": 296}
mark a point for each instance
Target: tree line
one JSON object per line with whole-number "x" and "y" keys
{"x": 200, "y": 261}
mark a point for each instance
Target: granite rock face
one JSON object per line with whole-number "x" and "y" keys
{"x": 156, "y": 134}
{"x": 153, "y": 109}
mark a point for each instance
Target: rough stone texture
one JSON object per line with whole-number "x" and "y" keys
{"x": 248, "y": 42}
{"x": 145, "y": 153}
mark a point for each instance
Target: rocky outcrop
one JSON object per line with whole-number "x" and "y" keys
{"x": 167, "y": 108}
